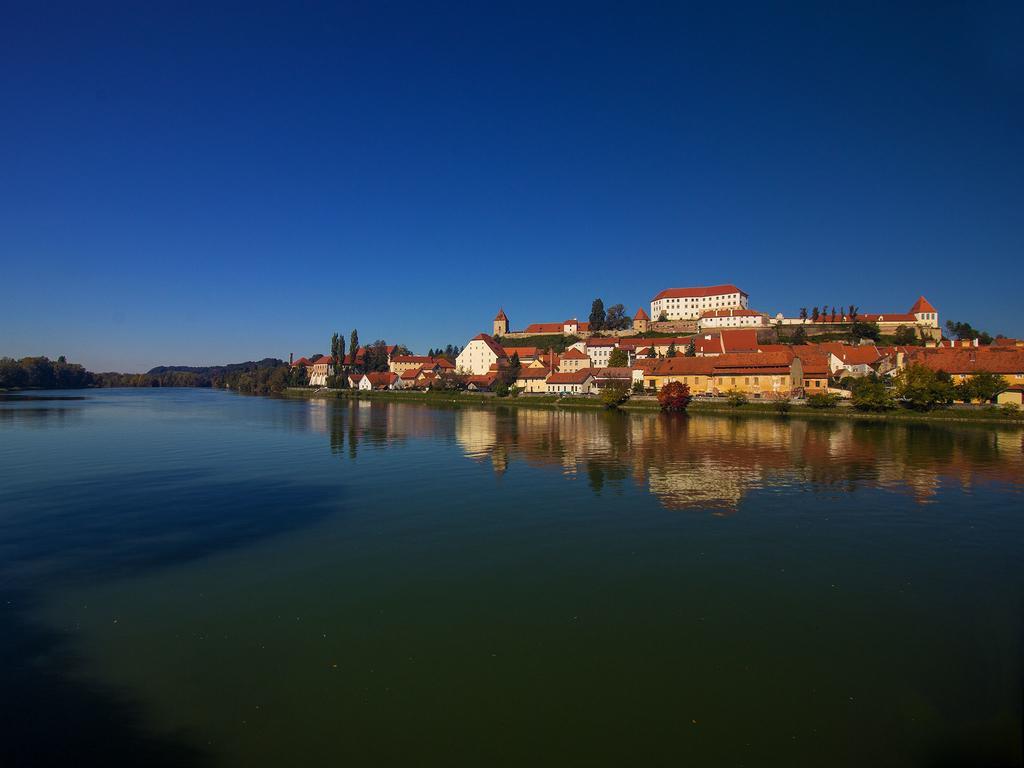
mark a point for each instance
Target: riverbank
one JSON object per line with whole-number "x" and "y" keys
{"x": 987, "y": 416}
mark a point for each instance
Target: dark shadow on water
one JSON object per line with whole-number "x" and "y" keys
{"x": 122, "y": 527}
{"x": 52, "y": 718}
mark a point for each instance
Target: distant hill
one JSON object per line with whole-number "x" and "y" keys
{"x": 213, "y": 370}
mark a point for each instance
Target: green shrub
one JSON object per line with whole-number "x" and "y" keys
{"x": 823, "y": 400}
{"x": 736, "y": 399}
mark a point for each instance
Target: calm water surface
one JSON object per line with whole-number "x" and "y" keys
{"x": 192, "y": 577}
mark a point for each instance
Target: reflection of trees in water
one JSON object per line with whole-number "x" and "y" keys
{"x": 706, "y": 462}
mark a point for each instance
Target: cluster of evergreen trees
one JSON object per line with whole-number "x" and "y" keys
{"x": 612, "y": 319}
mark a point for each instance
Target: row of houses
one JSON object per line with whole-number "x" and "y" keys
{"x": 723, "y": 362}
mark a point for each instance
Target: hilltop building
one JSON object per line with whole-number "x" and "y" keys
{"x": 690, "y": 303}
{"x": 641, "y": 321}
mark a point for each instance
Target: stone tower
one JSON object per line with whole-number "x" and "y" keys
{"x": 500, "y": 323}
{"x": 641, "y": 322}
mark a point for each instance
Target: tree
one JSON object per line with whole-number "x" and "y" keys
{"x": 922, "y": 389}
{"x": 339, "y": 358}
{"x": 736, "y": 398}
{"x": 691, "y": 348}
{"x": 803, "y": 313}
{"x": 616, "y": 318}
{"x": 597, "y": 316}
{"x": 865, "y": 331}
{"x": 375, "y": 357}
{"x": 614, "y": 394}
{"x": 335, "y": 364}
{"x": 671, "y": 351}
{"x": 674, "y": 397}
{"x": 853, "y": 313}
{"x": 353, "y": 347}
{"x": 638, "y": 387}
{"x": 815, "y": 314}
{"x": 964, "y": 332}
{"x": 618, "y": 359}
{"x": 905, "y": 335}
{"x": 870, "y": 394}
{"x": 800, "y": 335}
{"x": 982, "y": 385}
{"x": 662, "y": 316}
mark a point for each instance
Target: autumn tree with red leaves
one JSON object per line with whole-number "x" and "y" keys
{"x": 674, "y": 397}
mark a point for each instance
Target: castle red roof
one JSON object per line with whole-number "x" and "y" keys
{"x": 708, "y": 290}
{"x": 501, "y": 315}
{"x": 641, "y": 315}
{"x": 922, "y": 305}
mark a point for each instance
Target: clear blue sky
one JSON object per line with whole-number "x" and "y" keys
{"x": 211, "y": 182}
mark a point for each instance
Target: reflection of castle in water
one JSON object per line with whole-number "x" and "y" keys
{"x": 706, "y": 463}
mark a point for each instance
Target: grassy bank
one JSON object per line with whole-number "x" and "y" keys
{"x": 650, "y": 404}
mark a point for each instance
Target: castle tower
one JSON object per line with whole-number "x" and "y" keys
{"x": 641, "y": 321}
{"x": 925, "y": 313}
{"x": 500, "y": 323}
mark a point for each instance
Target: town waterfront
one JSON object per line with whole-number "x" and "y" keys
{"x": 194, "y": 577}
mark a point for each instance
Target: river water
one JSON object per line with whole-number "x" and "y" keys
{"x": 193, "y": 577}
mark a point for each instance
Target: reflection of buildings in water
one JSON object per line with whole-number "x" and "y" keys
{"x": 702, "y": 486}
{"x": 712, "y": 462}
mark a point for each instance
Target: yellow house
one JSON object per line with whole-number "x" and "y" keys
{"x": 532, "y": 380}
{"x": 694, "y": 372}
{"x": 758, "y": 374}
{"x": 573, "y": 360}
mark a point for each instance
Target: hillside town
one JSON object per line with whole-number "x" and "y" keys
{"x": 707, "y": 338}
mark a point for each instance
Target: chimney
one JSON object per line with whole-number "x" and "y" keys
{"x": 291, "y": 358}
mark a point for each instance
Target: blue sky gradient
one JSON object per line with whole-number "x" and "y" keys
{"x": 200, "y": 183}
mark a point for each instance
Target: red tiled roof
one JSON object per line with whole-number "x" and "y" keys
{"x": 884, "y": 317}
{"x": 575, "y": 377}
{"x": 1003, "y": 360}
{"x": 521, "y": 351}
{"x": 684, "y": 366}
{"x": 301, "y": 361}
{"x": 382, "y": 379}
{"x": 501, "y": 315}
{"x": 739, "y": 340}
{"x": 613, "y": 373}
{"x": 492, "y": 345}
{"x": 600, "y": 342}
{"x": 547, "y": 328}
{"x": 486, "y": 379}
{"x": 412, "y": 373}
{"x": 641, "y": 315}
{"x": 533, "y": 373}
{"x": 922, "y": 305}
{"x": 752, "y": 360}
{"x": 543, "y": 328}
{"x": 709, "y": 290}
{"x": 323, "y": 360}
{"x": 574, "y": 354}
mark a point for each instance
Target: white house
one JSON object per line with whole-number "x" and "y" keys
{"x": 477, "y": 357}
{"x": 731, "y": 318}
{"x": 690, "y": 303}
{"x": 575, "y": 383}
